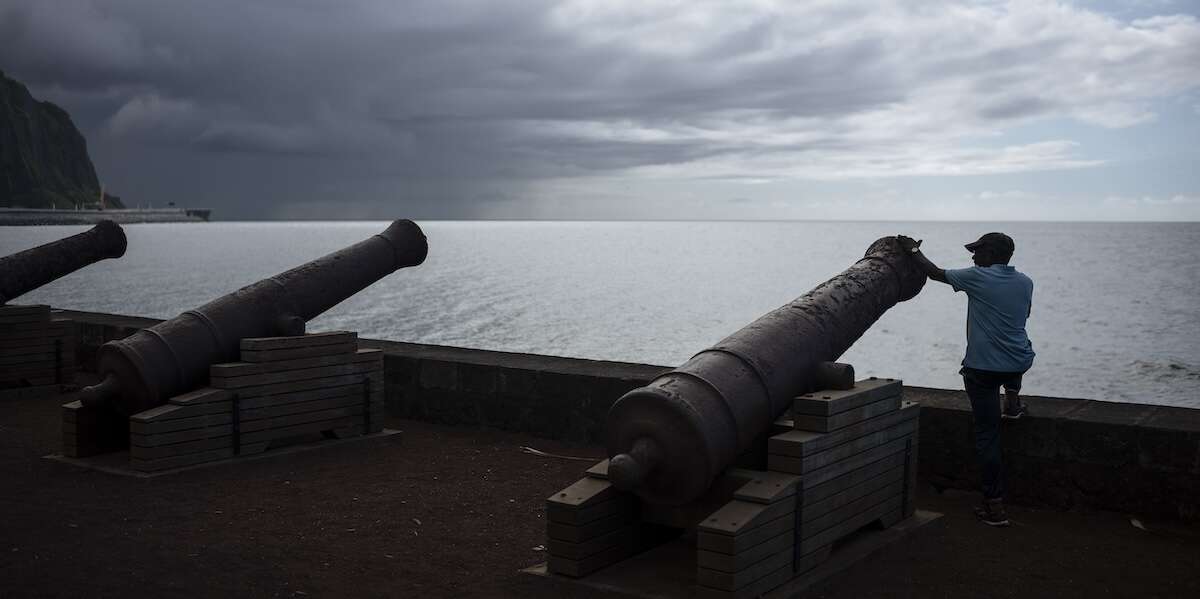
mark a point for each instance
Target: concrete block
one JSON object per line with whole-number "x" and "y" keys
{"x": 585, "y": 492}
{"x": 363, "y": 362}
{"x": 820, "y": 475}
{"x": 726, "y": 562}
{"x": 737, "y": 517}
{"x": 799, "y": 443}
{"x": 847, "y": 526}
{"x": 13, "y": 310}
{"x": 861, "y": 444}
{"x": 298, "y": 341}
{"x": 892, "y": 491}
{"x": 355, "y": 389}
{"x": 244, "y": 369}
{"x": 732, "y": 581}
{"x": 587, "y": 565}
{"x": 752, "y": 590}
{"x": 583, "y": 532}
{"x": 827, "y": 424}
{"x": 833, "y": 401}
{"x": 366, "y": 372}
{"x": 22, "y": 315}
{"x": 732, "y": 544}
{"x": 578, "y": 551}
{"x": 201, "y": 396}
{"x": 622, "y": 505}
{"x": 143, "y": 427}
{"x": 36, "y": 392}
{"x": 813, "y": 510}
{"x": 36, "y": 330}
{"x": 812, "y": 559}
{"x": 17, "y": 346}
{"x": 280, "y": 355}
{"x": 766, "y": 487}
{"x": 599, "y": 470}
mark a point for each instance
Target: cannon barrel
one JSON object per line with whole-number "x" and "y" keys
{"x": 25, "y": 271}
{"x": 145, "y": 369}
{"x": 670, "y": 439}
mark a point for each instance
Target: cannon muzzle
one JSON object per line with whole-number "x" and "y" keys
{"x": 25, "y": 271}
{"x": 669, "y": 440}
{"x": 145, "y": 369}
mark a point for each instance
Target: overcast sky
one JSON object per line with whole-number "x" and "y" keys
{"x": 628, "y": 109}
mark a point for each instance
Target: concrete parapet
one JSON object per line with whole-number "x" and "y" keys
{"x": 1068, "y": 453}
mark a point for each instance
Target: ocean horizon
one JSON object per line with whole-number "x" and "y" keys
{"x": 1115, "y": 313}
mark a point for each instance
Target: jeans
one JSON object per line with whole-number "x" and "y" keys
{"x": 983, "y": 388}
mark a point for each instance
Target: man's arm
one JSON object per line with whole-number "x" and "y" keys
{"x": 913, "y": 248}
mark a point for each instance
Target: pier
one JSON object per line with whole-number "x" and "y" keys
{"x": 122, "y": 216}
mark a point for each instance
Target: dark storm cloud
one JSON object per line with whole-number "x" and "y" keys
{"x": 442, "y": 105}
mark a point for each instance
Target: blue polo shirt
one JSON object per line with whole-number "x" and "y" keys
{"x": 998, "y": 304}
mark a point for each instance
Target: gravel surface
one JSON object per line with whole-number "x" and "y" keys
{"x": 454, "y": 512}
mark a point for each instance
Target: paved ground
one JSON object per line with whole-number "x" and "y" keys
{"x": 453, "y": 512}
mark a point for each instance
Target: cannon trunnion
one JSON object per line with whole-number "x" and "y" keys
{"x": 25, "y": 271}
{"x": 145, "y": 369}
{"x": 670, "y": 439}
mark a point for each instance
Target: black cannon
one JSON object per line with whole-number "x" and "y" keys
{"x": 25, "y": 271}
{"x": 147, "y": 368}
{"x": 670, "y": 439}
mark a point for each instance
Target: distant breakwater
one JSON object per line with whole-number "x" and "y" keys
{"x": 23, "y": 216}
{"x": 1134, "y": 458}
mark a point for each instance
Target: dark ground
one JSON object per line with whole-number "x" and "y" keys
{"x": 453, "y": 512}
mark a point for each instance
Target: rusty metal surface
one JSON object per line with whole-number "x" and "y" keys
{"x": 25, "y": 271}
{"x": 670, "y": 439}
{"x": 145, "y": 369}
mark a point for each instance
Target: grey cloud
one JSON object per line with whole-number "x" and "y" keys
{"x": 479, "y": 101}
{"x": 1010, "y": 108}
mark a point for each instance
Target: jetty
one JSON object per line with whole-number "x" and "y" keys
{"x": 41, "y": 216}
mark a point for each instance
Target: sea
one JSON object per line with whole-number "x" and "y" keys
{"x": 1116, "y": 306}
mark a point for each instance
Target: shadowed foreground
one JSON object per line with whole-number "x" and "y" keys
{"x": 444, "y": 511}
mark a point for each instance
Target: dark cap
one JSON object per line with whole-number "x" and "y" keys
{"x": 997, "y": 241}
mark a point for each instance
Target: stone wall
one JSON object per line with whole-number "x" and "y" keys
{"x": 1134, "y": 458}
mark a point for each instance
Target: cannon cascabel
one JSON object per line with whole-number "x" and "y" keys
{"x": 668, "y": 440}
{"x": 25, "y": 271}
{"x": 147, "y": 368}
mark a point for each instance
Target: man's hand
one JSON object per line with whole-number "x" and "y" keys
{"x": 912, "y": 247}
{"x": 908, "y": 244}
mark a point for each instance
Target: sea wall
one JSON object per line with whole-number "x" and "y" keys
{"x": 23, "y": 217}
{"x": 1133, "y": 458}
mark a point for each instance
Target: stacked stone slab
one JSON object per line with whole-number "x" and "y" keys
{"x": 855, "y": 452}
{"x": 37, "y": 354}
{"x": 283, "y": 387}
{"x": 590, "y": 525}
{"x": 747, "y": 547}
{"x": 846, "y": 459}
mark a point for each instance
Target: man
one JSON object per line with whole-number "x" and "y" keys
{"x": 998, "y": 350}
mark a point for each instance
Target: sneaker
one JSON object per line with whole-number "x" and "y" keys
{"x": 1014, "y": 412}
{"x": 991, "y": 512}
{"x": 1013, "y": 409}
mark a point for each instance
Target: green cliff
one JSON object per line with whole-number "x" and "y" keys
{"x": 44, "y": 161}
